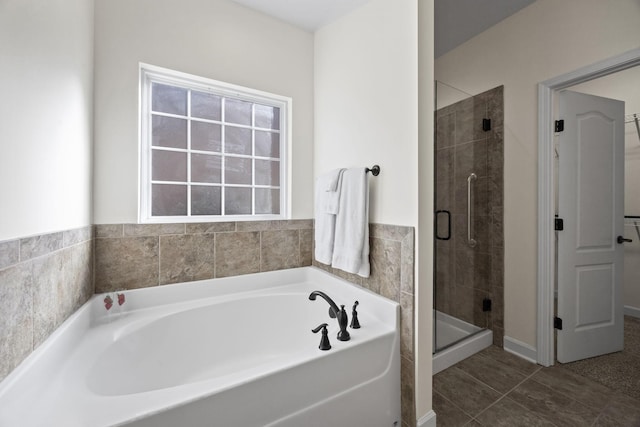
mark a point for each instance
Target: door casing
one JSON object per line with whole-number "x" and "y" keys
{"x": 546, "y": 184}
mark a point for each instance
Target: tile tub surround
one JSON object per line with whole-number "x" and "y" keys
{"x": 464, "y": 275}
{"x": 43, "y": 280}
{"x": 392, "y": 276}
{"x": 130, "y": 256}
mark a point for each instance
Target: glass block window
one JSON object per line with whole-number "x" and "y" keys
{"x": 210, "y": 150}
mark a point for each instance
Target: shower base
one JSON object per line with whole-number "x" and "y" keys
{"x": 450, "y": 337}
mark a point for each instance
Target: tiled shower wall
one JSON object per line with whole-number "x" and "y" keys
{"x": 464, "y": 275}
{"x": 43, "y": 280}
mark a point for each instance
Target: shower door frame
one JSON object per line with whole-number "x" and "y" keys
{"x": 546, "y": 184}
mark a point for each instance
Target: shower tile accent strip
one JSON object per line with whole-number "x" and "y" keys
{"x": 43, "y": 280}
{"x": 392, "y": 276}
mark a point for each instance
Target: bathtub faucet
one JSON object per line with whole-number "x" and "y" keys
{"x": 339, "y": 313}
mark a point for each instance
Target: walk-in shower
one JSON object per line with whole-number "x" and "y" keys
{"x": 469, "y": 254}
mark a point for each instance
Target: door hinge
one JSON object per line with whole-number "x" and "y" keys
{"x": 486, "y": 304}
{"x": 486, "y": 125}
{"x": 559, "y": 126}
{"x": 557, "y": 323}
{"x": 558, "y": 224}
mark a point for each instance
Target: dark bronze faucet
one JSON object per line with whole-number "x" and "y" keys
{"x": 339, "y": 313}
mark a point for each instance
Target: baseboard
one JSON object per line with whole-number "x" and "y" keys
{"x": 631, "y": 311}
{"x": 428, "y": 420}
{"x": 520, "y": 349}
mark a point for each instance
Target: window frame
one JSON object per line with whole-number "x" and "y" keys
{"x": 152, "y": 74}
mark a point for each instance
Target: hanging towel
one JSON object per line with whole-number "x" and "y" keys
{"x": 327, "y": 197}
{"x": 330, "y": 200}
{"x": 351, "y": 246}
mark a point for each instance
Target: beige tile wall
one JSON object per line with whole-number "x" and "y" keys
{"x": 130, "y": 256}
{"x": 43, "y": 280}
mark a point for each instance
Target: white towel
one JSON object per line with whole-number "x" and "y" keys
{"x": 327, "y": 193}
{"x": 351, "y": 246}
{"x": 332, "y": 180}
{"x": 330, "y": 200}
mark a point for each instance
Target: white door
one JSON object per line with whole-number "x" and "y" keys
{"x": 591, "y": 203}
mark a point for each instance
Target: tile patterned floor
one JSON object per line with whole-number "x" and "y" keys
{"x": 495, "y": 388}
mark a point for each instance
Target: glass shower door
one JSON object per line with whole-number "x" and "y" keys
{"x": 464, "y": 223}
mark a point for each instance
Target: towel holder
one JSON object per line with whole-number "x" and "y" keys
{"x": 375, "y": 170}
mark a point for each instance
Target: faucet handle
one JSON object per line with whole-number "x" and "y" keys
{"x": 324, "y": 341}
{"x": 343, "y": 321}
{"x": 355, "y": 323}
{"x": 317, "y": 329}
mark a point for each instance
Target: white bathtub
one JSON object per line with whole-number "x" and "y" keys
{"x": 225, "y": 352}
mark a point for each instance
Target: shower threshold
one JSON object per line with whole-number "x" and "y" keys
{"x": 456, "y": 340}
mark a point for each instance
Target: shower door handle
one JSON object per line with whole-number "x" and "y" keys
{"x": 470, "y": 232}
{"x": 446, "y": 212}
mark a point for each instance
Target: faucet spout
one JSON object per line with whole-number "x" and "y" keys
{"x": 334, "y": 308}
{"x": 339, "y": 313}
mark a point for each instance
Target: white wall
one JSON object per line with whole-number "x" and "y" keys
{"x": 46, "y": 75}
{"x": 366, "y": 112}
{"x": 217, "y": 39}
{"x": 542, "y": 41}
{"x": 366, "y": 103}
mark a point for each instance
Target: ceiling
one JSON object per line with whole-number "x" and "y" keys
{"x": 456, "y": 21}
{"x": 307, "y": 14}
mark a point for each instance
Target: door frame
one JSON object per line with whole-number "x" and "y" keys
{"x": 546, "y": 184}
